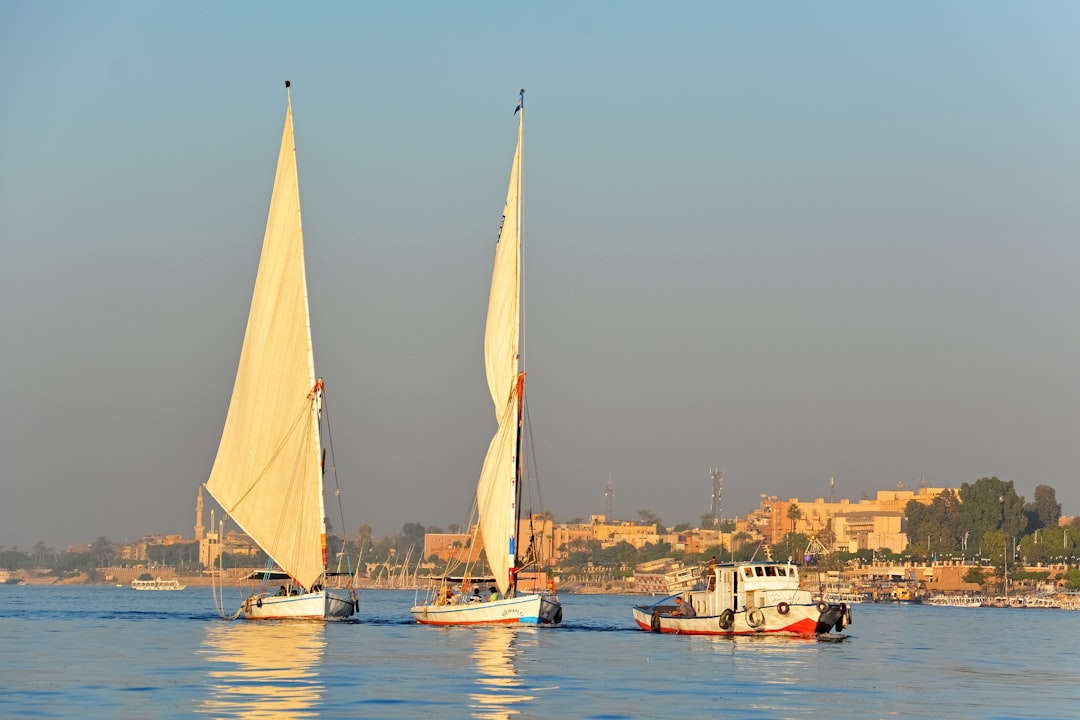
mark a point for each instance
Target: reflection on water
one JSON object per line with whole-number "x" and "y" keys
{"x": 498, "y": 688}
{"x": 264, "y": 669}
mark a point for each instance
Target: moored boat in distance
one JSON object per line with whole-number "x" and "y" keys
{"x": 745, "y": 598}
{"x": 956, "y": 600}
{"x": 157, "y": 584}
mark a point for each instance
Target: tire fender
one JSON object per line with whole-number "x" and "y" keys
{"x": 783, "y": 608}
{"x": 727, "y": 619}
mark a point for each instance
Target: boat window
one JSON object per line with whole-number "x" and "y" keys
{"x": 759, "y": 571}
{"x": 770, "y": 571}
{"x": 748, "y": 572}
{"x": 792, "y": 572}
{"x": 781, "y": 571}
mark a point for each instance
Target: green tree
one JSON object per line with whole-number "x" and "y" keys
{"x": 934, "y": 528}
{"x": 795, "y": 514}
{"x": 620, "y": 555}
{"x": 655, "y": 551}
{"x": 412, "y": 536}
{"x": 989, "y": 505}
{"x": 975, "y": 574}
{"x": 580, "y": 552}
{"x": 102, "y": 552}
{"x": 1045, "y": 511}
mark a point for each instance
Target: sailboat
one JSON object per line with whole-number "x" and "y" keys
{"x": 498, "y": 490}
{"x": 268, "y": 473}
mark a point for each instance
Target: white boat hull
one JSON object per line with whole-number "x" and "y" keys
{"x": 533, "y": 609}
{"x": 789, "y": 619}
{"x": 329, "y": 604}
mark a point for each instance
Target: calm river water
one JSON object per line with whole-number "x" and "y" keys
{"x": 108, "y": 652}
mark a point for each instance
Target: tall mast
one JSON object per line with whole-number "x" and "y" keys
{"x": 520, "y": 384}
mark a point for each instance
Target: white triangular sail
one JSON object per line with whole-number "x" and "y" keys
{"x": 497, "y": 489}
{"x": 267, "y": 474}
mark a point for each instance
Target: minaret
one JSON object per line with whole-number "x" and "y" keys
{"x": 198, "y": 517}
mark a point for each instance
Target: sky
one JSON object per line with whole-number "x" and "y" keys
{"x": 792, "y": 240}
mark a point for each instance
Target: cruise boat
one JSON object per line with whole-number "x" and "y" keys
{"x": 745, "y": 598}
{"x": 956, "y": 600}
{"x": 157, "y": 584}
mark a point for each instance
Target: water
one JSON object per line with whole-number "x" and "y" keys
{"x": 107, "y": 652}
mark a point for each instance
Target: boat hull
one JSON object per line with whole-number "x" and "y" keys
{"x": 790, "y": 619}
{"x": 533, "y": 609}
{"x": 327, "y": 604}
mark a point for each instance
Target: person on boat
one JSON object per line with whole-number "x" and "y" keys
{"x": 282, "y": 592}
{"x": 475, "y": 597}
{"x": 710, "y": 574}
{"x": 684, "y": 609}
{"x": 493, "y": 593}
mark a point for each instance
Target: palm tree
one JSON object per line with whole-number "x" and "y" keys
{"x": 794, "y": 515}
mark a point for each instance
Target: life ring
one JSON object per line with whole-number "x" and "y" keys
{"x": 655, "y": 623}
{"x": 822, "y": 606}
{"x": 755, "y": 618}
{"x": 558, "y": 616}
{"x": 727, "y": 619}
{"x": 783, "y": 608}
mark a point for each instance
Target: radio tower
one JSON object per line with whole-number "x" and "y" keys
{"x": 715, "y": 509}
{"x": 609, "y": 499}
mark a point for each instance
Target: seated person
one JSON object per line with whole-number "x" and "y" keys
{"x": 684, "y": 609}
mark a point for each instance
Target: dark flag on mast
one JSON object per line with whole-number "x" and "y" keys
{"x": 521, "y": 102}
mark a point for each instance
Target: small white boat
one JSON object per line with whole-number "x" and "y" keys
{"x": 745, "y": 598}
{"x": 157, "y": 584}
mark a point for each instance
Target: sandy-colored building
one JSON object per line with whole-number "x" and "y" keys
{"x": 842, "y": 525}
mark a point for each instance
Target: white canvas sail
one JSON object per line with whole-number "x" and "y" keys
{"x": 497, "y": 488}
{"x": 267, "y": 473}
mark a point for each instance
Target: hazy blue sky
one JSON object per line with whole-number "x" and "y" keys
{"x": 795, "y": 240}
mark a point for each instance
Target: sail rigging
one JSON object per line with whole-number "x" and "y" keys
{"x": 267, "y": 474}
{"x": 497, "y": 488}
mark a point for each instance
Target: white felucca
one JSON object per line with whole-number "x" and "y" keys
{"x": 498, "y": 491}
{"x": 268, "y": 474}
